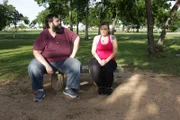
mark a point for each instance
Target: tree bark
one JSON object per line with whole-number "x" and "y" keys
{"x": 86, "y": 30}
{"x": 77, "y": 23}
{"x": 70, "y": 16}
{"x": 151, "y": 46}
{"x": 166, "y": 26}
{"x": 113, "y": 25}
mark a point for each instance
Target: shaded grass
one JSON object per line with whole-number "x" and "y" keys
{"x": 132, "y": 54}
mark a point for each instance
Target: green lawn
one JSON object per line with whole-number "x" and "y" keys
{"x": 17, "y": 53}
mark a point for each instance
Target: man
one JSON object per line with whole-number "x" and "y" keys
{"x": 52, "y": 52}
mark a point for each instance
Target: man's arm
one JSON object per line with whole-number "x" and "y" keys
{"x": 37, "y": 54}
{"x": 75, "y": 47}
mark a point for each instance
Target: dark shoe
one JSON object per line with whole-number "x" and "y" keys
{"x": 39, "y": 97}
{"x": 101, "y": 90}
{"x": 109, "y": 90}
{"x": 71, "y": 93}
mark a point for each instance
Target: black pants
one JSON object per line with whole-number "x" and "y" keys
{"x": 102, "y": 75}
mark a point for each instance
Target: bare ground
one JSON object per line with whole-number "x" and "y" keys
{"x": 138, "y": 95}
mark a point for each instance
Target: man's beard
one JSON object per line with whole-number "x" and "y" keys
{"x": 56, "y": 29}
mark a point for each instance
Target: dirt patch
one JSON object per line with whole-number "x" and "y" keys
{"x": 138, "y": 95}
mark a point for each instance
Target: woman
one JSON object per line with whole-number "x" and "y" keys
{"x": 102, "y": 66}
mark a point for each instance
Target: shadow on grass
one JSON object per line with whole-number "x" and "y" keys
{"x": 14, "y": 43}
{"x": 16, "y": 65}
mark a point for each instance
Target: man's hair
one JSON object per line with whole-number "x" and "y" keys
{"x": 49, "y": 18}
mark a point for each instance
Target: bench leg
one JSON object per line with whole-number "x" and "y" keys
{"x": 57, "y": 82}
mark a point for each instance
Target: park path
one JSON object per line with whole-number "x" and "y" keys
{"x": 138, "y": 95}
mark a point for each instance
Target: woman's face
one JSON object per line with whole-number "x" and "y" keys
{"x": 104, "y": 30}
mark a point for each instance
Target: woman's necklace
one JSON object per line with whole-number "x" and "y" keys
{"x": 103, "y": 39}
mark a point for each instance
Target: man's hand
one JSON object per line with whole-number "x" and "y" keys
{"x": 75, "y": 47}
{"x": 49, "y": 69}
{"x": 72, "y": 56}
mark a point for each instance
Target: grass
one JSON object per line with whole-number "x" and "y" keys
{"x": 17, "y": 53}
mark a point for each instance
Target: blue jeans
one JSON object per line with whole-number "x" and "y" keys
{"x": 71, "y": 67}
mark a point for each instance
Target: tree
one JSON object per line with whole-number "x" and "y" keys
{"x": 151, "y": 46}
{"x": 10, "y": 15}
{"x": 41, "y": 17}
{"x": 62, "y": 7}
{"x": 33, "y": 23}
{"x": 22, "y": 26}
{"x": 80, "y": 9}
{"x": 175, "y": 24}
{"x": 131, "y": 12}
{"x": 3, "y": 16}
{"x": 167, "y": 25}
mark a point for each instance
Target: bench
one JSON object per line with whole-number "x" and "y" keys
{"x": 58, "y": 78}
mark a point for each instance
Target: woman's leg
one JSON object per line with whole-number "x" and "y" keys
{"x": 95, "y": 70}
{"x": 97, "y": 75}
{"x": 108, "y": 69}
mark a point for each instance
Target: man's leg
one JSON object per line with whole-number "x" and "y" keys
{"x": 36, "y": 71}
{"x": 72, "y": 67}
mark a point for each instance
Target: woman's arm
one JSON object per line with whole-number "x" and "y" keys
{"x": 115, "y": 49}
{"x": 93, "y": 50}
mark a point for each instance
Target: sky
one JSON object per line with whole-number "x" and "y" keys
{"x": 28, "y": 8}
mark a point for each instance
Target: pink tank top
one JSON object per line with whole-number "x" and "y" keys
{"x": 104, "y": 50}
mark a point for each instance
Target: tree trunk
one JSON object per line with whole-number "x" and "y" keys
{"x": 123, "y": 28}
{"x": 151, "y": 46}
{"x": 113, "y": 25}
{"x": 137, "y": 28}
{"x": 70, "y": 16}
{"x": 87, "y": 10}
{"x": 100, "y": 21}
{"x": 77, "y": 23}
{"x": 167, "y": 25}
{"x": 128, "y": 28}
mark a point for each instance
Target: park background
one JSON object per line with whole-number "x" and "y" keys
{"x": 148, "y": 86}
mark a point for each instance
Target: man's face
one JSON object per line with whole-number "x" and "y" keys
{"x": 56, "y": 24}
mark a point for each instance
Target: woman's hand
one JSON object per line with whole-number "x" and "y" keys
{"x": 102, "y": 62}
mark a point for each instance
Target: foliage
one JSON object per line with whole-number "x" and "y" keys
{"x": 130, "y": 12}
{"x": 22, "y": 26}
{"x": 63, "y": 7}
{"x": 41, "y": 17}
{"x": 33, "y": 23}
{"x": 10, "y": 15}
{"x": 3, "y": 16}
{"x": 175, "y": 22}
{"x": 160, "y": 12}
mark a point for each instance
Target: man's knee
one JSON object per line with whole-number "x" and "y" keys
{"x": 76, "y": 65}
{"x": 34, "y": 65}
